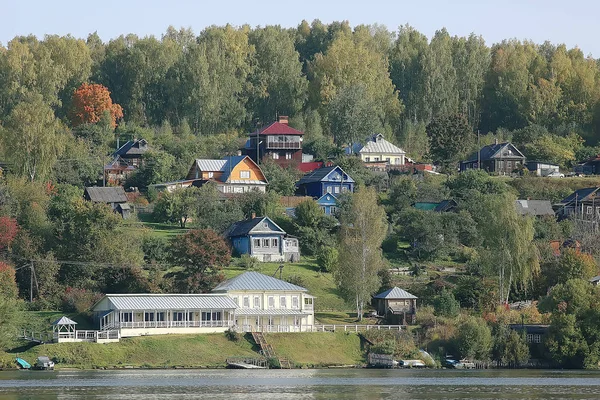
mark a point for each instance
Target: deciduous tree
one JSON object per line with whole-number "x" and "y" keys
{"x": 363, "y": 228}
{"x": 90, "y": 102}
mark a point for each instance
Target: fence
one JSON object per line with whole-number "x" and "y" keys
{"x": 356, "y": 328}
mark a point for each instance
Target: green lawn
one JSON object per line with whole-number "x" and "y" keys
{"x": 162, "y": 230}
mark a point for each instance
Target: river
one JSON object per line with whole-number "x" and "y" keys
{"x": 300, "y": 384}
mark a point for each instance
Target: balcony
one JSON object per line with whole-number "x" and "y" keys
{"x": 284, "y": 145}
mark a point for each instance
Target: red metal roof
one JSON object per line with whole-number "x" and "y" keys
{"x": 277, "y": 128}
{"x": 310, "y": 166}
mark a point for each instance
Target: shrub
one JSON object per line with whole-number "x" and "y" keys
{"x": 248, "y": 262}
{"x": 327, "y": 258}
{"x": 445, "y": 305}
{"x": 79, "y": 300}
{"x": 232, "y": 335}
{"x": 295, "y": 280}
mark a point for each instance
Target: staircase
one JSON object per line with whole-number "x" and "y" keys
{"x": 268, "y": 351}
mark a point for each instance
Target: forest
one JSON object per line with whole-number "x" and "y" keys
{"x": 66, "y": 103}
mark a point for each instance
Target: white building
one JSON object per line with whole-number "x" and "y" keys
{"x": 246, "y": 303}
{"x": 378, "y": 150}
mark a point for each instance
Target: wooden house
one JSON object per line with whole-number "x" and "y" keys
{"x": 325, "y": 180}
{"x": 115, "y": 197}
{"x": 328, "y": 203}
{"x": 499, "y": 158}
{"x": 277, "y": 141}
{"x": 263, "y": 239}
{"x": 125, "y": 160}
{"x": 267, "y": 304}
{"x": 396, "y": 305}
{"x": 235, "y": 174}
{"x": 377, "y": 151}
{"x": 591, "y": 166}
{"x": 581, "y": 204}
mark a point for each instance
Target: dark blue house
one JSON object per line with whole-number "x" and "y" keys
{"x": 325, "y": 180}
{"x": 328, "y": 203}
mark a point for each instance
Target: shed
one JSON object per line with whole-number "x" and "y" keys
{"x": 396, "y": 305}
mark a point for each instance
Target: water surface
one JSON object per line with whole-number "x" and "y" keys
{"x": 301, "y": 384}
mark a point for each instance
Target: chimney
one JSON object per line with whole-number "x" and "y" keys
{"x": 283, "y": 119}
{"x": 253, "y": 215}
{"x": 495, "y": 140}
{"x": 239, "y": 152}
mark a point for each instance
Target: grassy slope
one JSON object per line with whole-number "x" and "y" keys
{"x": 151, "y": 351}
{"x": 318, "y": 349}
{"x": 307, "y": 349}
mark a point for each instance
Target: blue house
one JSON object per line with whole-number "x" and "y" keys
{"x": 263, "y": 239}
{"x": 328, "y": 203}
{"x": 325, "y": 180}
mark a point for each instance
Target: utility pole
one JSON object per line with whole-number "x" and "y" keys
{"x": 478, "y": 151}
{"x": 31, "y": 282}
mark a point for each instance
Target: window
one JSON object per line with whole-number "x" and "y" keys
{"x": 246, "y": 302}
{"x": 216, "y": 316}
{"x": 333, "y": 209}
{"x": 206, "y": 316}
{"x": 160, "y": 316}
{"x": 126, "y": 317}
{"x": 336, "y": 189}
{"x": 589, "y": 209}
{"x": 529, "y": 338}
{"x": 537, "y": 338}
{"x": 271, "y": 301}
{"x": 256, "y": 242}
{"x": 376, "y": 159}
{"x": 387, "y": 160}
{"x": 245, "y": 174}
{"x": 211, "y": 174}
{"x": 190, "y": 316}
{"x": 275, "y": 156}
{"x": 308, "y": 301}
{"x": 149, "y": 316}
{"x": 275, "y": 243}
{"x": 235, "y": 300}
{"x": 344, "y": 189}
{"x": 295, "y": 303}
{"x": 288, "y": 155}
{"x": 282, "y": 301}
{"x": 297, "y": 321}
{"x": 256, "y": 302}
{"x": 367, "y": 159}
{"x": 177, "y": 316}
{"x": 265, "y": 242}
{"x": 329, "y": 189}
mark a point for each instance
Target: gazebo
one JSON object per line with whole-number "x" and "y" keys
{"x": 396, "y": 305}
{"x": 63, "y": 328}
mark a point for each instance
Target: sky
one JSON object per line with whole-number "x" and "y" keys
{"x": 574, "y": 23}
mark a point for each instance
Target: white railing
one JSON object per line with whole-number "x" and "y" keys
{"x": 172, "y": 324}
{"x": 355, "y": 328}
{"x": 87, "y": 336}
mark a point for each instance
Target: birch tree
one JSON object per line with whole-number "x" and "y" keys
{"x": 363, "y": 228}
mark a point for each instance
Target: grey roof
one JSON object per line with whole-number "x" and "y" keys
{"x": 488, "y": 152}
{"x": 534, "y": 207}
{"x": 258, "y": 311}
{"x": 106, "y": 194}
{"x": 133, "y": 147}
{"x": 580, "y": 195}
{"x": 395, "y": 293}
{"x": 64, "y": 321}
{"x": 595, "y": 279}
{"x": 377, "y": 144}
{"x": 242, "y": 228}
{"x": 256, "y": 281}
{"x": 320, "y": 174}
{"x": 210, "y": 165}
{"x": 170, "y": 301}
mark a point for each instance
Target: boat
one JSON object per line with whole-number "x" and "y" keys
{"x": 44, "y": 363}
{"x": 22, "y": 363}
{"x": 412, "y": 364}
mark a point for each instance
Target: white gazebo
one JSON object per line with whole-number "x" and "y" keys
{"x": 63, "y": 328}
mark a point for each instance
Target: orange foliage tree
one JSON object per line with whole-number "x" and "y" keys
{"x": 8, "y": 284}
{"x": 90, "y": 101}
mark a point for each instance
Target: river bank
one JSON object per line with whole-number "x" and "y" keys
{"x": 308, "y": 350}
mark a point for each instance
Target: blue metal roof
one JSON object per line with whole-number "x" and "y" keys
{"x": 322, "y": 174}
{"x": 256, "y": 281}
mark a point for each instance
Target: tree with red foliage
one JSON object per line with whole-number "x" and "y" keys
{"x": 90, "y": 101}
{"x": 201, "y": 254}
{"x": 8, "y": 231}
{"x": 8, "y": 284}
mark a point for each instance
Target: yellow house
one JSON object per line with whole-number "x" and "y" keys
{"x": 379, "y": 150}
{"x": 236, "y": 174}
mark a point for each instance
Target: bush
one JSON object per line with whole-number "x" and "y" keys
{"x": 327, "y": 258}
{"x": 248, "y": 262}
{"x": 295, "y": 280}
{"x": 79, "y": 300}
{"x": 232, "y": 335}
